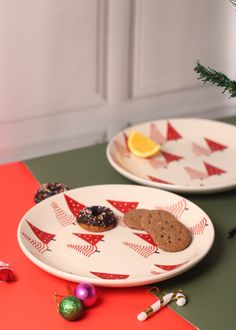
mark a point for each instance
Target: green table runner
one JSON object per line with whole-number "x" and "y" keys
{"x": 211, "y": 285}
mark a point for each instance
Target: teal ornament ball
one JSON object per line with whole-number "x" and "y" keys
{"x": 70, "y": 308}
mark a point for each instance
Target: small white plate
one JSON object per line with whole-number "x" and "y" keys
{"x": 197, "y": 155}
{"x": 121, "y": 257}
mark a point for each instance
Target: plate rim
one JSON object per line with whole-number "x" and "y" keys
{"x": 166, "y": 186}
{"x": 117, "y": 282}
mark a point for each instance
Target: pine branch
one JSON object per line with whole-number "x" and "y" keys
{"x": 206, "y": 74}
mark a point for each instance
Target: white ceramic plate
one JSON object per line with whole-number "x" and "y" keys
{"x": 197, "y": 155}
{"x": 121, "y": 257}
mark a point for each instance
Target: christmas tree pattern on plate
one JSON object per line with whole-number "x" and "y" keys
{"x": 144, "y": 250}
{"x": 123, "y": 206}
{"x": 200, "y": 150}
{"x": 170, "y": 157}
{"x": 122, "y": 146}
{"x": 172, "y": 133}
{"x": 121, "y": 149}
{"x": 199, "y": 227}
{"x": 176, "y": 209}
{"x": 102, "y": 257}
{"x": 215, "y": 146}
{"x": 74, "y": 206}
{"x": 44, "y": 238}
{"x": 163, "y": 159}
{"x": 65, "y": 219}
{"x": 126, "y": 137}
{"x": 156, "y": 135}
{"x": 89, "y": 249}
{"x": 168, "y": 268}
{"x": 158, "y": 180}
{"x": 157, "y": 163}
{"x": 185, "y": 143}
{"x": 210, "y": 147}
{"x": 110, "y": 276}
{"x": 210, "y": 170}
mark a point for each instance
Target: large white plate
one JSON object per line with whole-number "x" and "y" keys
{"x": 197, "y": 155}
{"x": 121, "y": 257}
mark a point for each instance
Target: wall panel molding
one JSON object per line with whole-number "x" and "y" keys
{"x": 75, "y": 73}
{"x": 50, "y": 134}
{"x": 166, "y": 39}
{"x": 26, "y": 101}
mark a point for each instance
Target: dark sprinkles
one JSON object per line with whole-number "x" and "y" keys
{"x": 97, "y": 218}
{"x": 48, "y": 190}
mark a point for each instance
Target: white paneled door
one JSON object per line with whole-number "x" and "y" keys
{"x": 74, "y": 73}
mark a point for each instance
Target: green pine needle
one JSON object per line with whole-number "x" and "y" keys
{"x": 206, "y": 74}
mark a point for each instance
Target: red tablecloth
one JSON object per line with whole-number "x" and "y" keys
{"x": 28, "y": 302}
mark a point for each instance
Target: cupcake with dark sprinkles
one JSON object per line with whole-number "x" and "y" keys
{"x": 97, "y": 218}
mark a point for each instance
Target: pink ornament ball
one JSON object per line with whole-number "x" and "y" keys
{"x": 86, "y": 292}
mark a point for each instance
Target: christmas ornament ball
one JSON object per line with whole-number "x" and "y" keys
{"x": 70, "y": 308}
{"x": 86, "y": 292}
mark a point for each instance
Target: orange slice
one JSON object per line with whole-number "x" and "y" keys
{"x": 141, "y": 146}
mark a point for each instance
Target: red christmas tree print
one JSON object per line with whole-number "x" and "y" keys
{"x": 176, "y": 209}
{"x": 43, "y": 236}
{"x": 195, "y": 174}
{"x": 170, "y": 157}
{"x": 38, "y": 245}
{"x": 74, "y": 206}
{"x": 198, "y": 229}
{"x": 126, "y": 141}
{"x": 156, "y": 135}
{"x": 155, "y": 179}
{"x": 110, "y": 276}
{"x": 121, "y": 149}
{"x": 144, "y": 251}
{"x": 215, "y": 146}
{"x": 157, "y": 163}
{"x": 92, "y": 239}
{"x": 62, "y": 217}
{"x": 169, "y": 267}
{"x": 86, "y": 250}
{"x": 172, "y": 134}
{"x": 199, "y": 150}
{"x": 147, "y": 238}
{"x": 122, "y": 206}
{"x": 212, "y": 170}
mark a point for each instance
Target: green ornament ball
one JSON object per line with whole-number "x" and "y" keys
{"x": 70, "y": 308}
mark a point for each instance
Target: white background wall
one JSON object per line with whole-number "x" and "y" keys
{"x": 74, "y": 73}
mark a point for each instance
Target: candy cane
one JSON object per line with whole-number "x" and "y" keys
{"x": 176, "y": 296}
